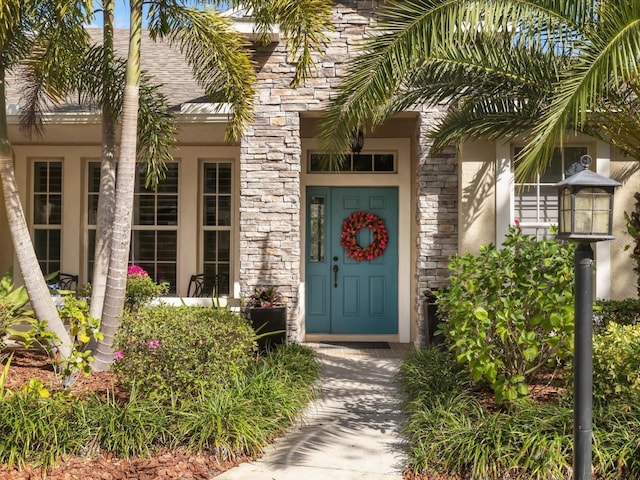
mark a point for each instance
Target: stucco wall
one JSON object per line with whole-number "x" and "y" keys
{"x": 624, "y": 279}
{"x": 477, "y": 195}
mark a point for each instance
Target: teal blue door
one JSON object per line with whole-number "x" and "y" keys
{"x": 344, "y": 295}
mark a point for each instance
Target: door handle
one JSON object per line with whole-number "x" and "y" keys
{"x": 335, "y": 276}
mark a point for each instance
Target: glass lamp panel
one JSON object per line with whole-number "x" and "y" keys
{"x": 592, "y": 210}
{"x": 564, "y": 220}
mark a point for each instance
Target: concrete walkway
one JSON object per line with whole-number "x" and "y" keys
{"x": 351, "y": 432}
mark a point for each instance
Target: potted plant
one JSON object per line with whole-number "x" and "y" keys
{"x": 268, "y": 316}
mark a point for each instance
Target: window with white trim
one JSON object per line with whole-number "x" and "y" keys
{"x": 47, "y": 213}
{"x": 379, "y": 162}
{"x": 217, "y": 225}
{"x": 535, "y": 203}
{"x": 154, "y": 230}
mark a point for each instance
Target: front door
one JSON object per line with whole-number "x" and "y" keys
{"x": 349, "y": 295}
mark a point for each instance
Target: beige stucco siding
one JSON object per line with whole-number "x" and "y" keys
{"x": 477, "y": 195}
{"x": 623, "y": 278}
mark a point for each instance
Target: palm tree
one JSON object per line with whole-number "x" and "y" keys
{"x": 534, "y": 69}
{"x": 220, "y": 59}
{"x": 101, "y": 83}
{"x": 44, "y": 37}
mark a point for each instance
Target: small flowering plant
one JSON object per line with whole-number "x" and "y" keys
{"x": 141, "y": 289}
{"x": 265, "y": 297}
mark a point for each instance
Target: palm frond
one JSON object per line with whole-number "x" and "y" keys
{"x": 607, "y": 58}
{"x": 217, "y": 54}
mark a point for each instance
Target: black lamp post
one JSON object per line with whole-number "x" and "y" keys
{"x": 585, "y": 203}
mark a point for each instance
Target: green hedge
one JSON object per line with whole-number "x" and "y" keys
{"x": 181, "y": 350}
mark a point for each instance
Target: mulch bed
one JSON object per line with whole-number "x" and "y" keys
{"x": 174, "y": 464}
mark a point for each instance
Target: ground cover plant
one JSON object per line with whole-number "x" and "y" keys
{"x": 456, "y": 431}
{"x": 494, "y": 401}
{"x": 211, "y": 424}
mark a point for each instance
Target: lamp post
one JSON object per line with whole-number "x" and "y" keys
{"x": 585, "y": 203}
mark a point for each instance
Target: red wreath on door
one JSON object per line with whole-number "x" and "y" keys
{"x": 349, "y": 241}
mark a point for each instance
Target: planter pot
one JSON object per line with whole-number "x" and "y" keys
{"x": 431, "y": 320}
{"x": 267, "y": 320}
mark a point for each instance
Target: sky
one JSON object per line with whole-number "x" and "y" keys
{"x": 121, "y": 19}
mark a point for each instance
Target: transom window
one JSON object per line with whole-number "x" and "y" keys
{"x": 535, "y": 203}
{"x": 384, "y": 162}
{"x": 47, "y": 213}
{"x": 216, "y": 226}
{"x": 154, "y": 235}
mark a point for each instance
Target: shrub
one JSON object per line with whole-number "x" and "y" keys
{"x": 181, "y": 349}
{"x": 622, "y": 312}
{"x": 12, "y": 308}
{"x": 509, "y": 311}
{"x": 616, "y": 363}
{"x": 141, "y": 289}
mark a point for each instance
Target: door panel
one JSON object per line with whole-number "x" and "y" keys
{"x": 345, "y": 295}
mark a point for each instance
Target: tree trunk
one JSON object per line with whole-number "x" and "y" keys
{"x": 106, "y": 196}
{"x": 39, "y": 294}
{"x": 125, "y": 183}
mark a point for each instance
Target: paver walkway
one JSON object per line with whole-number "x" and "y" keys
{"x": 351, "y": 432}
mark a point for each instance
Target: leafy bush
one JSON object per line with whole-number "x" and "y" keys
{"x": 182, "y": 350}
{"x": 616, "y": 363}
{"x": 509, "y": 311}
{"x": 622, "y": 312}
{"x": 12, "y": 308}
{"x": 141, "y": 289}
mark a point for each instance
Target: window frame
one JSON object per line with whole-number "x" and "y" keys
{"x": 155, "y": 227}
{"x": 36, "y": 226}
{"x": 231, "y": 228}
{"x": 539, "y": 227}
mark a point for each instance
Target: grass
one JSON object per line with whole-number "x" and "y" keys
{"x": 235, "y": 420}
{"x": 451, "y": 432}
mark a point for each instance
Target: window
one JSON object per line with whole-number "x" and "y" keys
{"x": 216, "y": 226}
{"x": 317, "y": 218}
{"x": 154, "y": 232}
{"x": 361, "y": 163}
{"x": 536, "y": 203}
{"x": 47, "y": 213}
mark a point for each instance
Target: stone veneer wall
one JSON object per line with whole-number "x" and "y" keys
{"x": 270, "y": 163}
{"x": 270, "y": 167}
{"x": 436, "y": 216}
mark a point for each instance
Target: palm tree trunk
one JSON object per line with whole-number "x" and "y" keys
{"x": 39, "y": 295}
{"x": 121, "y": 236}
{"x": 106, "y": 196}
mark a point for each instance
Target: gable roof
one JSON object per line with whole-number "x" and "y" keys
{"x": 160, "y": 60}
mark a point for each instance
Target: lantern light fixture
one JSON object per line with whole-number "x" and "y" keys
{"x": 356, "y": 142}
{"x": 585, "y": 206}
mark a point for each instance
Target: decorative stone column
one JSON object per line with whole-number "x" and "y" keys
{"x": 437, "y": 215}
